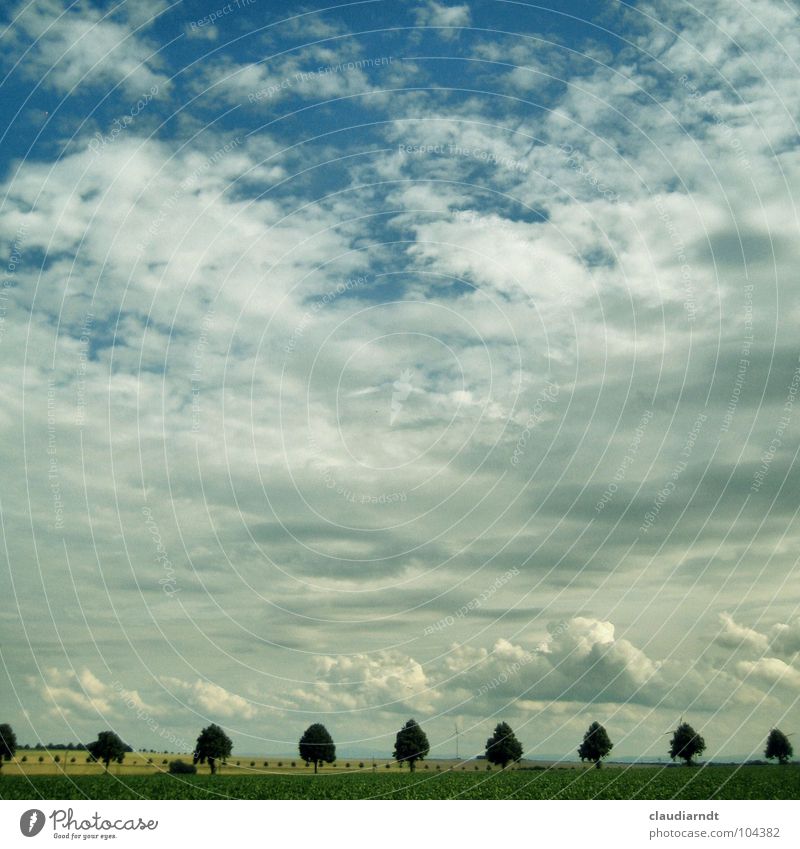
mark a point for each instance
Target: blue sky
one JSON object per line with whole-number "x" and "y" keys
{"x": 397, "y": 359}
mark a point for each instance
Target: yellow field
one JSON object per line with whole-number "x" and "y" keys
{"x": 42, "y": 762}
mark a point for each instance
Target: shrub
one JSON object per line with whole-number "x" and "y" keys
{"x": 149, "y": 760}
{"x": 182, "y": 768}
{"x": 280, "y": 763}
{"x": 41, "y": 759}
{"x": 438, "y": 766}
{"x": 25, "y": 758}
{"x": 164, "y": 762}
{"x": 388, "y": 766}
{"x": 57, "y": 759}
{"x": 238, "y": 763}
{"x": 361, "y": 765}
{"x": 72, "y": 760}
{"x": 488, "y": 767}
{"x": 294, "y": 763}
{"x": 252, "y": 763}
{"x": 347, "y": 766}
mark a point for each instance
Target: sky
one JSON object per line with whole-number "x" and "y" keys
{"x": 396, "y": 359}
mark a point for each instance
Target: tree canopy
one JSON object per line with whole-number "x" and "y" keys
{"x": 503, "y": 747}
{"x": 778, "y": 746}
{"x": 316, "y": 745}
{"x": 108, "y": 747}
{"x": 596, "y": 744}
{"x": 8, "y": 743}
{"x": 686, "y": 743}
{"x": 212, "y": 745}
{"x": 411, "y": 744}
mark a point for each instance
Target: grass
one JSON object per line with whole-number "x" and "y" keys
{"x": 728, "y": 782}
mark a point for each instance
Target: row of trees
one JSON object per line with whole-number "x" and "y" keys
{"x": 316, "y": 746}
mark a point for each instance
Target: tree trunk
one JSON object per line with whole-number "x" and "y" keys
{"x": 411, "y": 766}
{"x": 598, "y": 764}
{"x": 212, "y": 765}
{"x": 315, "y": 767}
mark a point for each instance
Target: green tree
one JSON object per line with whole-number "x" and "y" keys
{"x": 502, "y": 747}
{"x": 778, "y": 746}
{"x": 8, "y": 743}
{"x": 107, "y": 747}
{"x": 596, "y": 745}
{"x": 316, "y": 745}
{"x": 686, "y": 743}
{"x": 410, "y": 745}
{"x": 212, "y": 745}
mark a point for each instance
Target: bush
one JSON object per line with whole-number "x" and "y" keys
{"x": 293, "y": 763}
{"x": 280, "y": 763}
{"x": 72, "y": 760}
{"x": 252, "y": 763}
{"x": 426, "y": 766}
{"x": 57, "y": 759}
{"x": 361, "y": 765}
{"x": 164, "y": 762}
{"x": 41, "y": 759}
{"x": 238, "y": 763}
{"x": 149, "y": 760}
{"x": 347, "y": 766}
{"x": 438, "y": 766}
{"x": 182, "y": 768}
{"x": 25, "y": 758}
{"x": 388, "y": 766}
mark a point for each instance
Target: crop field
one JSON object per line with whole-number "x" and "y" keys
{"x": 719, "y": 782}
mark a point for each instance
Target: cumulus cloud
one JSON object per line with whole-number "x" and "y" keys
{"x": 384, "y": 680}
{"x": 434, "y": 14}
{"x": 81, "y": 695}
{"x": 781, "y": 640}
{"x": 211, "y": 699}
{"x": 72, "y": 48}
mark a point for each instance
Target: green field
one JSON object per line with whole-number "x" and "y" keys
{"x": 751, "y": 782}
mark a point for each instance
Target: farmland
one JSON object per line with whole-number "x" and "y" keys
{"x": 718, "y": 782}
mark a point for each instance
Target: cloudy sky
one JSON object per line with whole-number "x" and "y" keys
{"x": 400, "y": 359}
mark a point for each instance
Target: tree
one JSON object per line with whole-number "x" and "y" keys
{"x": 778, "y": 746}
{"x": 686, "y": 743}
{"x": 596, "y": 745}
{"x": 316, "y": 745}
{"x": 107, "y": 747}
{"x": 410, "y": 745}
{"x": 213, "y": 744}
{"x": 8, "y": 743}
{"x": 502, "y": 747}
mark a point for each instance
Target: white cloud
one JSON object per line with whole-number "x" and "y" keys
{"x": 734, "y": 636}
{"x": 435, "y": 14}
{"x": 71, "y": 48}
{"x": 382, "y": 680}
{"x": 211, "y": 699}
